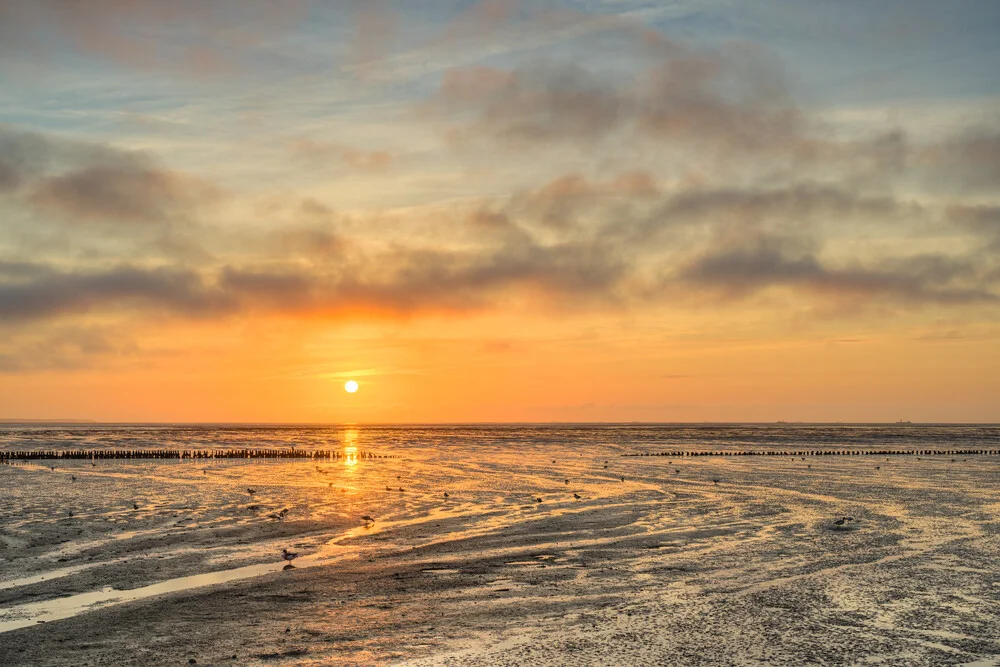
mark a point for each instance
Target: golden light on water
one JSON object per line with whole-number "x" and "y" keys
{"x": 350, "y": 445}
{"x": 350, "y": 386}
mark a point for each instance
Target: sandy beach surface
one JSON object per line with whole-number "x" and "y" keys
{"x": 659, "y": 560}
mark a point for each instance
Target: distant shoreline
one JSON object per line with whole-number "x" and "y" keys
{"x": 542, "y": 424}
{"x": 48, "y": 421}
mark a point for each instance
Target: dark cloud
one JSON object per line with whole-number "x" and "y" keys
{"x": 39, "y": 292}
{"x": 10, "y": 178}
{"x": 541, "y": 103}
{"x": 400, "y": 280}
{"x": 129, "y": 193}
{"x": 733, "y": 98}
{"x": 968, "y": 162}
{"x": 981, "y": 220}
{"x": 83, "y": 182}
{"x": 776, "y": 262}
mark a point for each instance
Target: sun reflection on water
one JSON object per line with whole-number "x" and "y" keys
{"x": 350, "y": 448}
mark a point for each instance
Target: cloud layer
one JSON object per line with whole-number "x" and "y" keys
{"x": 549, "y": 160}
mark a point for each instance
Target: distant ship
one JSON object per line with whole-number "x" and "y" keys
{"x": 904, "y": 421}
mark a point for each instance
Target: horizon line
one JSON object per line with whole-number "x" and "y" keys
{"x": 94, "y": 422}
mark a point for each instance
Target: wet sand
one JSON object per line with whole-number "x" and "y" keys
{"x": 665, "y": 567}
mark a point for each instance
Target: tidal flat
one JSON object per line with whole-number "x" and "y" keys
{"x": 550, "y": 548}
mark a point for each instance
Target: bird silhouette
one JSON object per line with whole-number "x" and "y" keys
{"x": 288, "y": 555}
{"x": 445, "y": 494}
{"x": 577, "y": 496}
{"x": 367, "y": 519}
{"x": 716, "y": 482}
{"x": 251, "y": 492}
{"x": 135, "y": 506}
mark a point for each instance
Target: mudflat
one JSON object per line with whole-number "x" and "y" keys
{"x": 544, "y": 555}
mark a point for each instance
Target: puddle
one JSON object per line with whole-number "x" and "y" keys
{"x": 31, "y": 613}
{"x": 48, "y": 575}
{"x": 440, "y": 570}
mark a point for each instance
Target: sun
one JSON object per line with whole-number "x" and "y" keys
{"x": 350, "y": 386}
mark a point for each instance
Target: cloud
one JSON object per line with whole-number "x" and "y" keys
{"x": 541, "y": 103}
{"x": 780, "y": 262}
{"x": 399, "y": 280}
{"x": 65, "y": 348}
{"x": 984, "y": 221}
{"x": 10, "y": 179}
{"x": 732, "y": 97}
{"x": 122, "y": 193}
{"x": 968, "y": 162}
{"x": 83, "y": 182}
{"x": 39, "y": 291}
{"x": 145, "y": 33}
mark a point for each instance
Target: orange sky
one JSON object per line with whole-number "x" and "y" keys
{"x": 498, "y": 211}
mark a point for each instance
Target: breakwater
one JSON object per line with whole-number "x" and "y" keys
{"x": 823, "y": 452}
{"x": 248, "y": 453}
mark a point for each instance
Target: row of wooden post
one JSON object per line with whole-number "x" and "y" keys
{"x": 249, "y": 453}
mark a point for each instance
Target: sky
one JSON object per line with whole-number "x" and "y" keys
{"x": 500, "y": 210}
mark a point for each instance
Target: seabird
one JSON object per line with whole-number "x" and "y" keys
{"x": 251, "y": 492}
{"x": 367, "y": 519}
{"x": 623, "y": 479}
{"x": 288, "y": 555}
{"x": 135, "y": 506}
{"x": 400, "y": 489}
{"x": 74, "y": 477}
{"x": 577, "y": 496}
{"x": 716, "y": 481}
{"x": 567, "y": 481}
{"x": 538, "y": 500}
{"x": 445, "y": 494}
